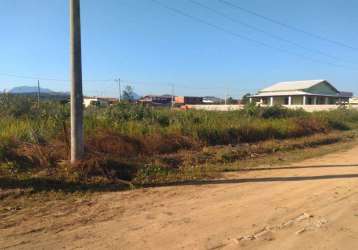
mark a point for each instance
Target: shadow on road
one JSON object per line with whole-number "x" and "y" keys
{"x": 293, "y": 167}
{"x": 44, "y": 184}
{"x": 37, "y": 184}
{"x": 265, "y": 179}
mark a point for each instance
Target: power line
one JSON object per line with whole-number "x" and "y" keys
{"x": 149, "y": 84}
{"x": 50, "y": 79}
{"x": 141, "y": 83}
{"x": 277, "y": 37}
{"x": 33, "y": 77}
{"x": 291, "y": 27}
{"x": 133, "y": 82}
{"x": 179, "y": 86}
{"x": 180, "y": 12}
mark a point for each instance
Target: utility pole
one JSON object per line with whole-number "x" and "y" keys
{"x": 173, "y": 95}
{"x": 38, "y": 94}
{"x": 119, "y": 89}
{"x": 226, "y": 96}
{"x": 77, "y": 147}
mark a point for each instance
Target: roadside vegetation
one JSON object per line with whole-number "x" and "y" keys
{"x": 135, "y": 145}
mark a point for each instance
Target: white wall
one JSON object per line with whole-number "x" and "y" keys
{"x": 216, "y": 107}
{"x": 308, "y": 108}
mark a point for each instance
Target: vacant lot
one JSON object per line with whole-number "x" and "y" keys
{"x": 308, "y": 205}
{"x": 145, "y": 145}
{"x": 47, "y": 204}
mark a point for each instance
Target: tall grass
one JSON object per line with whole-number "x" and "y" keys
{"x": 132, "y": 133}
{"x": 22, "y": 120}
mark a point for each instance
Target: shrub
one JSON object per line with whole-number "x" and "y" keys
{"x": 100, "y": 166}
{"x": 274, "y": 112}
{"x": 251, "y": 109}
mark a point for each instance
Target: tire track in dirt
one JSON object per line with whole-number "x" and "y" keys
{"x": 311, "y": 205}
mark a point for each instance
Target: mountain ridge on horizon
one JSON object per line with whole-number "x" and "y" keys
{"x": 33, "y": 89}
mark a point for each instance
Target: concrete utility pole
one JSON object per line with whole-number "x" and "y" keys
{"x": 173, "y": 96}
{"x": 77, "y": 148}
{"x": 38, "y": 94}
{"x": 119, "y": 89}
{"x": 226, "y": 96}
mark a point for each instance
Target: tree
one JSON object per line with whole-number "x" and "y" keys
{"x": 128, "y": 93}
{"x": 231, "y": 100}
{"x": 245, "y": 98}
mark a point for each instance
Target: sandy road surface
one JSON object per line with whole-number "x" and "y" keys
{"x": 309, "y": 205}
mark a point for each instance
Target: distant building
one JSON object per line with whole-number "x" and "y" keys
{"x": 310, "y": 92}
{"x": 98, "y": 101}
{"x": 156, "y": 100}
{"x": 188, "y": 100}
{"x": 212, "y": 100}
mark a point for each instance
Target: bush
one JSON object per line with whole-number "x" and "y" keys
{"x": 274, "y": 112}
{"x": 251, "y": 110}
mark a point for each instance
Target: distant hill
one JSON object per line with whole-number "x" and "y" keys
{"x": 33, "y": 90}
{"x": 46, "y": 94}
{"x": 29, "y": 90}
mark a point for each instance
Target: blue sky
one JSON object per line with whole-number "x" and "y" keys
{"x": 152, "y": 48}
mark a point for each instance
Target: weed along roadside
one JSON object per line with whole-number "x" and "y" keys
{"x": 129, "y": 144}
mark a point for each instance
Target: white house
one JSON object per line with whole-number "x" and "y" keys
{"x": 98, "y": 101}
{"x": 309, "y": 92}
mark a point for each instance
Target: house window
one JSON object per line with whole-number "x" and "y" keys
{"x": 286, "y": 100}
{"x": 309, "y": 100}
{"x": 331, "y": 101}
{"x": 321, "y": 100}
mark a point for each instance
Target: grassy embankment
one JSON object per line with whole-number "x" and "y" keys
{"x": 150, "y": 145}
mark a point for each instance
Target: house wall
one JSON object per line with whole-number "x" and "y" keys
{"x": 179, "y": 99}
{"x": 188, "y": 100}
{"x": 193, "y": 100}
{"x": 315, "y": 108}
{"x": 87, "y": 101}
{"x": 308, "y": 108}
{"x": 278, "y": 100}
{"x": 265, "y": 100}
{"x": 297, "y": 100}
{"x": 215, "y": 107}
{"x": 283, "y": 100}
{"x": 322, "y": 89}
{"x": 94, "y": 102}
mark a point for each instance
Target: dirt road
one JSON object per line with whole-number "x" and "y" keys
{"x": 308, "y": 205}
